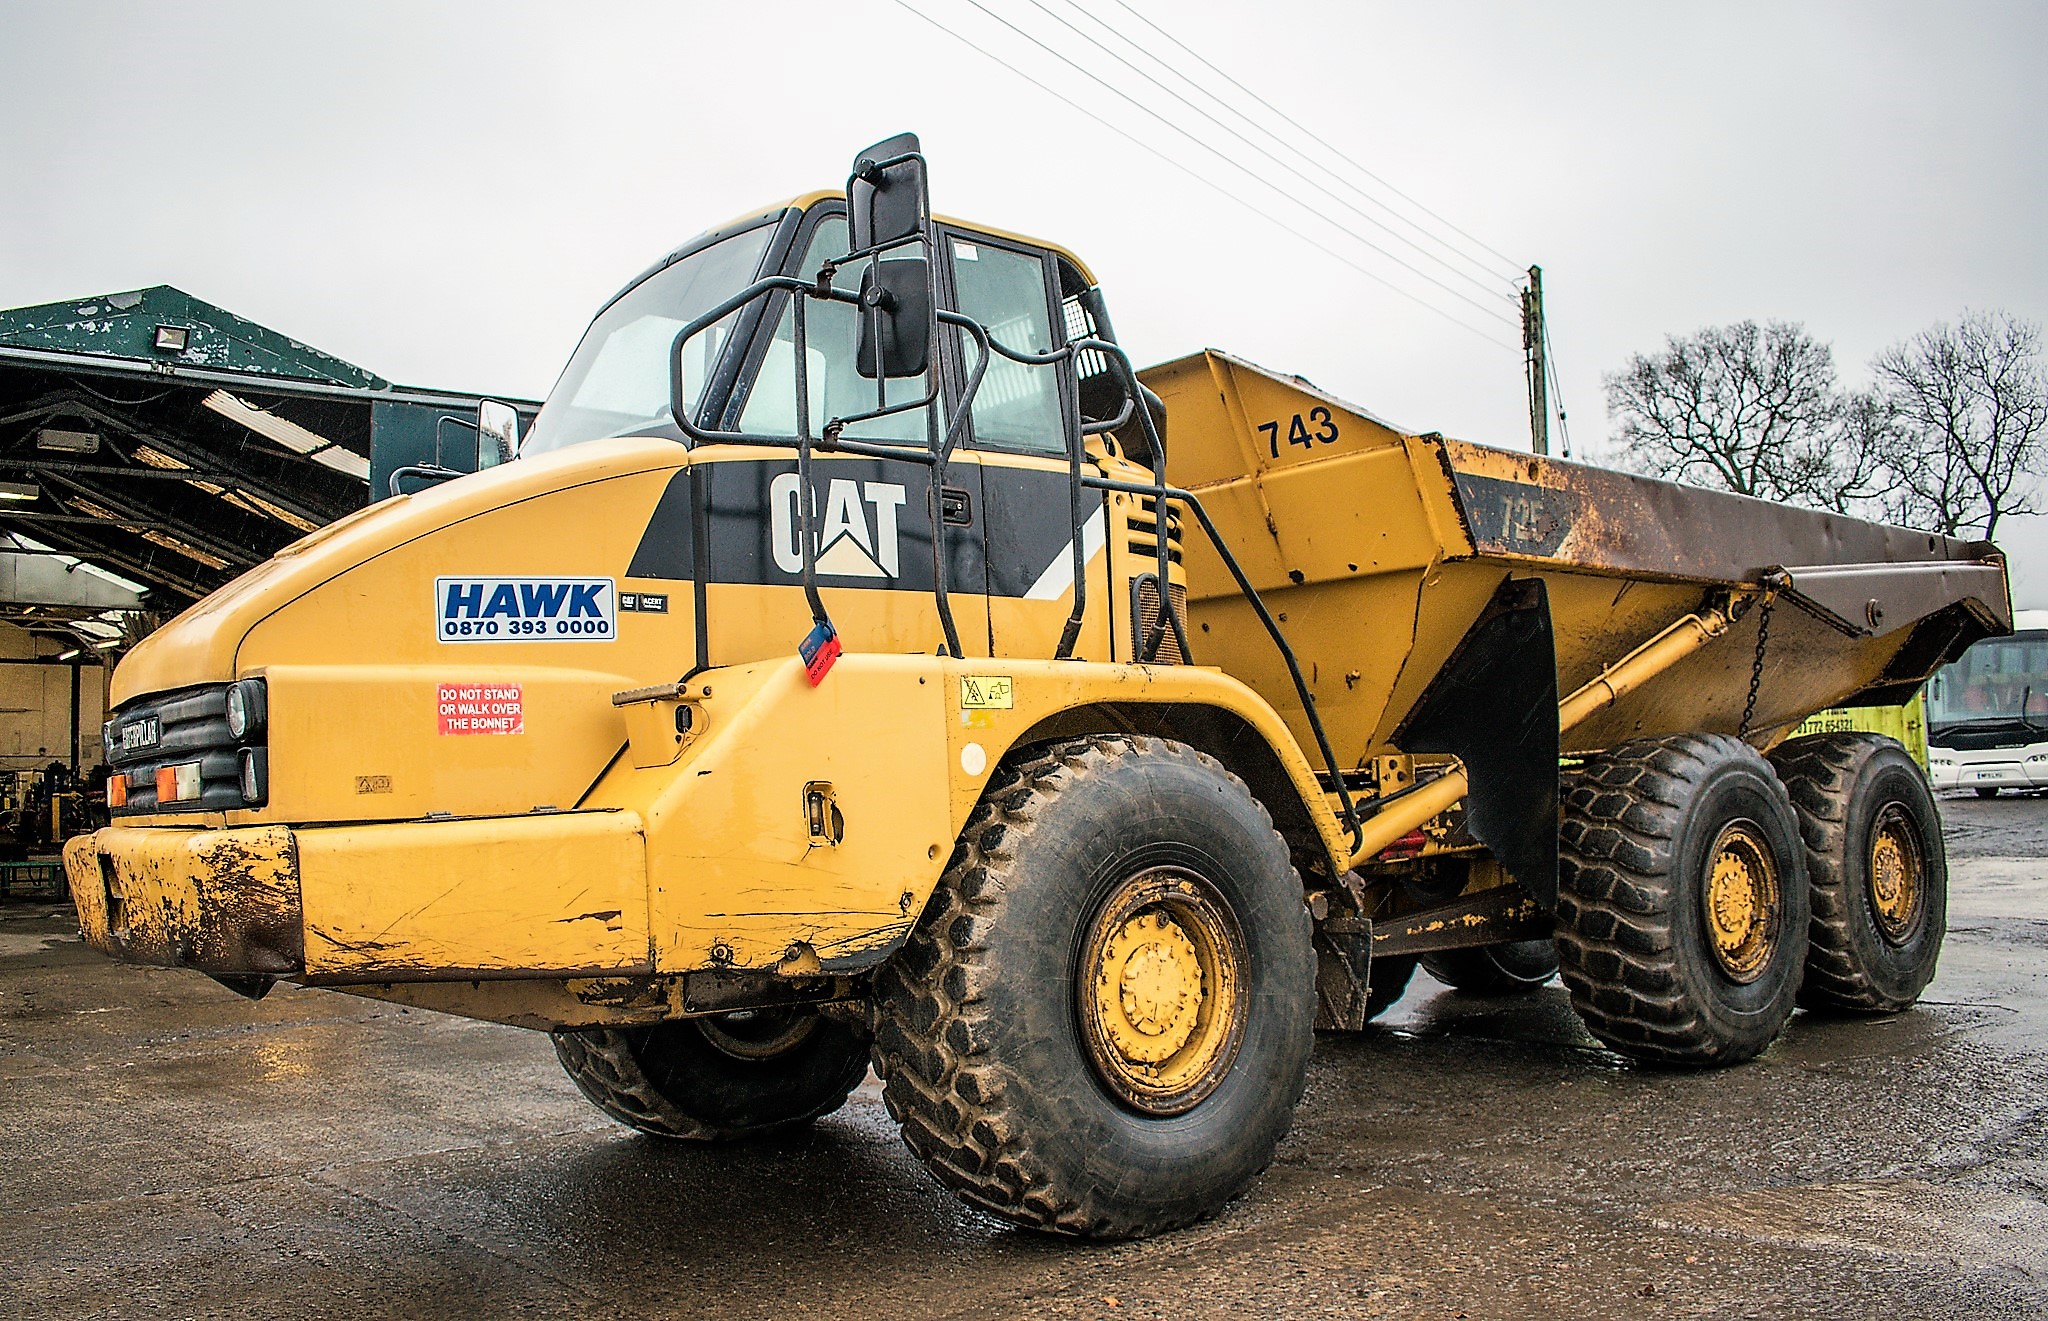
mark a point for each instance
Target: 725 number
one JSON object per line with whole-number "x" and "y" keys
{"x": 1298, "y": 432}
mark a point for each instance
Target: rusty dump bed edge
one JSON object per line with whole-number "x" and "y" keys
{"x": 1601, "y": 520}
{"x": 1378, "y": 549}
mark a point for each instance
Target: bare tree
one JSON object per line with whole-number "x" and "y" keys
{"x": 1753, "y": 409}
{"x": 1972, "y": 401}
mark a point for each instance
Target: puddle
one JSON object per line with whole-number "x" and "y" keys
{"x": 12, "y": 945}
{"x": 1974, "y": 1227}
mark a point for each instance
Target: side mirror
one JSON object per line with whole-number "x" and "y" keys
{"x": 896, "y": 320}
{"x": 497, "y": 433}
{"x": 887, "y": 203}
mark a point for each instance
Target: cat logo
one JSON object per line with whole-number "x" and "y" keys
{"x": 856, "y": 525}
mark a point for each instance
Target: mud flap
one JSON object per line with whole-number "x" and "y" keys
{"x": 1494, "y": 707}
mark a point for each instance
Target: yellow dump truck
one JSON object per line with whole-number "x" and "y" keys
{"x": 861, "y": 662}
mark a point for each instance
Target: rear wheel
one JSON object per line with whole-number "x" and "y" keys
{"x": 1101, "y": 1025}
{"x": 1386, "y": 981}
{"x": 1682, "y": 907}
{"x": 1514, "y": 967}
{"x": 1879, "y": 874}
{"x": 729, "y": 1076}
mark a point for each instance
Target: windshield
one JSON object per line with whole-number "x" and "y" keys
{"x": 1999, "y": 679}
{"x": 617, "y": 381}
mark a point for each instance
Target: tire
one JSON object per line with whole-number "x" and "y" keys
{"x": 1386, "y": 981}
{"x": 1986, "y": 792}
{"x": 1515, "y": 967}
{"x": 1877, "y": 867}
{"x": 738, "y": 1075}
{"x": 998, "y": 1047}
{"x": 1648, "y": 828}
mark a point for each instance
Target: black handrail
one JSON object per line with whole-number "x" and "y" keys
{"x": 936, "y": 457}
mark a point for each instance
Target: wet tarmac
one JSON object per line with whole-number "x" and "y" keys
{"x": 170, "y": 1150}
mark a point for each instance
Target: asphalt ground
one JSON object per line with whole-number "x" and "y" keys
{"x": 170, "y": 1150}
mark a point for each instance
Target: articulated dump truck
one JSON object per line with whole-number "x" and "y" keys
{"x": 860, "y": 662}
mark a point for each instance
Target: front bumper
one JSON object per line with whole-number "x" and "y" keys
{"x": 1989, "y": 775}
{"x": 544, "y": 895}
{"x": 223, "y": 902}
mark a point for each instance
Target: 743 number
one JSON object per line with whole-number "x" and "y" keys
{"x": 1298, "y": 432}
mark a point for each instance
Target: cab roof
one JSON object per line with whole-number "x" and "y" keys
{"x": 805, "y": 201}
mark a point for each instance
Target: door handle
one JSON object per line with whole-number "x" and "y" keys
{"x": 956, "y": 507}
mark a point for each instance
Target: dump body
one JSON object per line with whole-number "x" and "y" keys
{"x": 1378, "y": 549}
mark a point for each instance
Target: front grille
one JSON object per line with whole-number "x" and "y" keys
{"x": 1169, "y": 652}
{"x": 192, "y": 726}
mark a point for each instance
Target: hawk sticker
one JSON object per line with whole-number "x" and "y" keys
{"x": 525, "y": 610}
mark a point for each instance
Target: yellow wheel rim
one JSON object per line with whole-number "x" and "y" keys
{"x": 1898, "y": 875}
{"x": 1744, "y": 902}
{"x": 1162, "y": 994}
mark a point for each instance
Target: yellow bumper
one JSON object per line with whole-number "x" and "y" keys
{"x": 225, "y": 902}
{"x": 561, "y": 894}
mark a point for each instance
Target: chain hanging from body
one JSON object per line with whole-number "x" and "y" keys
{"x": 1756, "y": 667}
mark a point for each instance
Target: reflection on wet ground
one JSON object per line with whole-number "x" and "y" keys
{"x": 176, "y": 1151}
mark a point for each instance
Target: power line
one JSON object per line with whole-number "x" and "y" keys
{"x": 1487, "y": 287}
{"x": 1312, "y": 136}
{"x": 1249, "y": 173}
{"x": 1556, "y": 390}
{"x": 1489, "y": 273}
{"x": 1211, "y": 184}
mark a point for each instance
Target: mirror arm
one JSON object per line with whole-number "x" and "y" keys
{"x": 1030, "y": 359}
{"x": 432, "y": 471}
{"x": 1113, "y": 424}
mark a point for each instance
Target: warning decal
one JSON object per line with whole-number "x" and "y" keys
{"x": 482, "y": 708}
{"x": 987, "y": 692}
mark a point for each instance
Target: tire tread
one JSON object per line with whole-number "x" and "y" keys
{"x": 952, "y": 1104}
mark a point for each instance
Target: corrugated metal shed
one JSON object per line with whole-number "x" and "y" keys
{"x": 175, "y": 444}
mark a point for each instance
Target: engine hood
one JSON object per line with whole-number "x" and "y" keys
{"x": 202, "y": 644}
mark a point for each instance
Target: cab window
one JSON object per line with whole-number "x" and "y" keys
{"x": 1018, "y": 406}
{"x": 832, "y": 334}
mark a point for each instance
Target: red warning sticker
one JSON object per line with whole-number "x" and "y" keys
{"x": 482, "y": 708}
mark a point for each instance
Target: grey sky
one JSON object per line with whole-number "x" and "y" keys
{"x": 443, "y": 194}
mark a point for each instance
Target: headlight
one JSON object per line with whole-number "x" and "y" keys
{"x": 247, "y": 707}
{"x": 255, "y": 775}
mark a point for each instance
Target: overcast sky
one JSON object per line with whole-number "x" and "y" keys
{"x": 443, "y": 194}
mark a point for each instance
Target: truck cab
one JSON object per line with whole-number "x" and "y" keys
{"x": 508, "y": 682}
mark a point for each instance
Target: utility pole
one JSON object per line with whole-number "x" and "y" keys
{"x": 1532, "y": 347}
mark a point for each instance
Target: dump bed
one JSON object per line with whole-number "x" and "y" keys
{"x": 1378, "y": 549}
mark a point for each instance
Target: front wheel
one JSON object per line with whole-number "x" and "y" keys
{"x": 1101, "y": 1025}
{"x": 736, "y": 1075}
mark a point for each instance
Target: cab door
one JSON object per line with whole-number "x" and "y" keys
{"x": 1022, "y": 419}
{"x": 878, "y": 528}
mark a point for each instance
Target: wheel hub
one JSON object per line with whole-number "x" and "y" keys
{"x": 1158, "y": 990}
{"x": 1897, "y": 875}
{"x": 1743, "y": 902}
{"x": 1162, "y": 998}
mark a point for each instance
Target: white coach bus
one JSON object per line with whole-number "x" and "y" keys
{"x": 1987, "y": 714}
